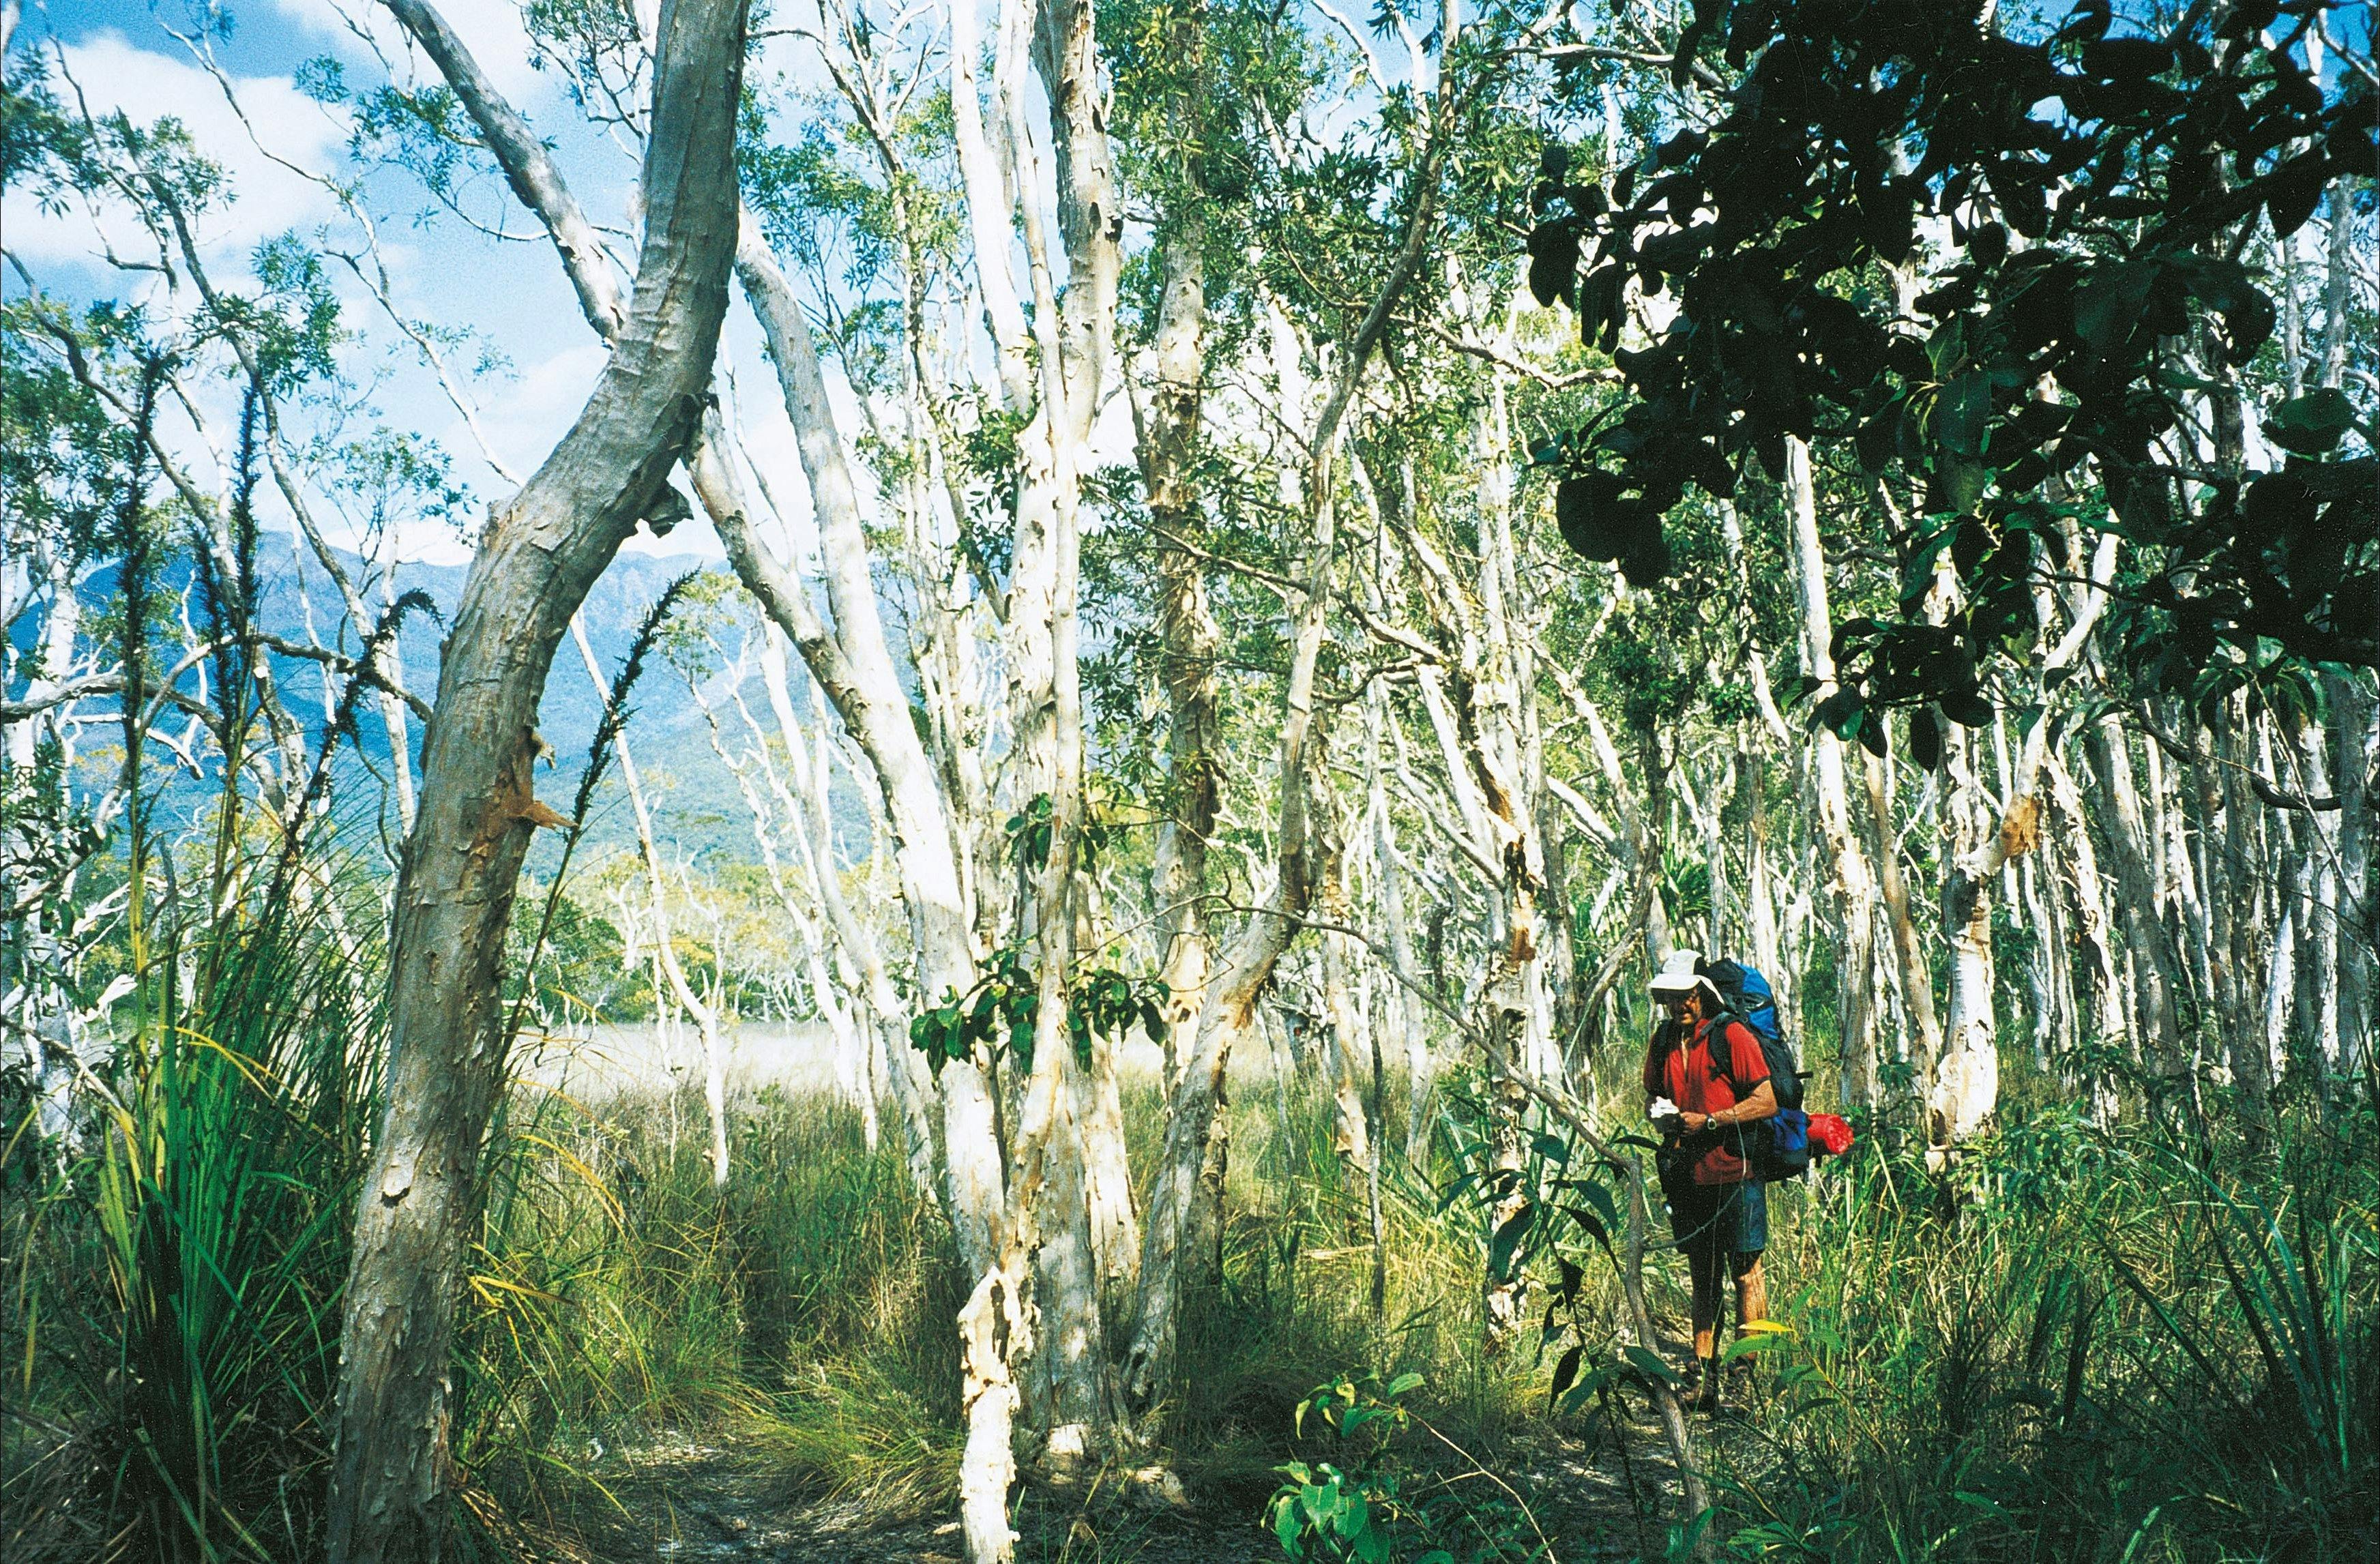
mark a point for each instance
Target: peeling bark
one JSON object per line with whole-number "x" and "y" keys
{"x": 392, "y": 1473}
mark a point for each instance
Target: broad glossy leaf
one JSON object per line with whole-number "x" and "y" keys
{"x": 1566, "y": 1371}
{"x": 1925, "y": 738}
{"x": 1962, "y": 413}
{"x": 1967, "y": 708}
{"x": 2292, "y": 193}
{"x": 1285, "y": 1526}
{"x": 2310, "y": 425}
{"x": 1553, "y": 262}
{"x": 1647, "y": 562}
{"x": 1651, "y": 1365}
{"x": 1508, "y": 1238}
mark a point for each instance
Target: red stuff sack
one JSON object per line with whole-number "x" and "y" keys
{"x": 1830, "y": 1134}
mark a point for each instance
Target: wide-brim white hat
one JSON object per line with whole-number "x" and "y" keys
{"x": 1678, "y": 975}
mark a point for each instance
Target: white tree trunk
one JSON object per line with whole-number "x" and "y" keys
{"x": 2103, "y": 1018}
{"x": 1231, "y": 1002}
{"x": 2355, "y": 747}
{"x": 1852, "y": 880}
{"x": 1916, "y": 979}
{"x": 392, "y": 1475}
{"x": 1965, "y": 1091}
{"x": 705, "y": 1020}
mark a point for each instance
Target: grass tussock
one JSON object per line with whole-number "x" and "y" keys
{"x": 1290, "y": 1306}
{"x": 802, "y": 1313}
{"x": 173, "y": 1309}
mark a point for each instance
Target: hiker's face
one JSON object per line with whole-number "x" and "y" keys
{"x": 1687, "y": 1007}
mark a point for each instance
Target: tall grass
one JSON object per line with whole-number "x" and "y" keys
{"x": 178, "y": 1288}
{"x": 804, "y": 1312}
{"x": 2089, "y": 1345}
{"x": 2095, "y": 1346}
{"x": 1290, "y": 1306}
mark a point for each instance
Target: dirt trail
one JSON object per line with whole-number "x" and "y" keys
{"x": 696, "y": 1504}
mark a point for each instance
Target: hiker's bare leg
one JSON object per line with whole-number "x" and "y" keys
{"x": 1705, "y": 1270}
{"x": 1751, "y": 1293}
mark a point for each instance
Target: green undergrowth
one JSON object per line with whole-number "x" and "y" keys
{"x": 804, "y": 1316}
{"x": 2077, "y": 1343}
{"x": 172, "y": 1301}
{"x": 1291, "y": 1305}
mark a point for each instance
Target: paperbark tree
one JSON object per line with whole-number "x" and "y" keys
{"x": 1963, "y": 1091}
{"x": 1188, "y": 637}
{"x": 1231, "y": 1000}
{"x": 542, "y": 550}
{"x": 2103, "y": 1019}
{"x": 852, "y": 662}
{"x": 2355, "y": 728}
{"x": 1478, "y": 687}
{"x": 1853, "y": 880}
{"x": 1916, "y": 977}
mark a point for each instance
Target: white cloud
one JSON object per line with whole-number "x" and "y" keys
{"x": 538, "y": 409}
{"x": 114, "y": 75}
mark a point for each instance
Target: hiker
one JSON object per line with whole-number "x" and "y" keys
{"x": 1719, "y": 1208}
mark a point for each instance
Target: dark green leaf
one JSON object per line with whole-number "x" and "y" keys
{"x": 1566, "y": 1370}
{"x": 1508, "y": 1238}
{"x": 2310, "y": 425}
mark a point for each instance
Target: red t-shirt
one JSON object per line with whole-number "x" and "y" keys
{"x": 1684, "y": 1075}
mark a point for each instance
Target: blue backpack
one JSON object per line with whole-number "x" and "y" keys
{"x": 1778, "y": 1146}
{"x": 1751, "y": 1001}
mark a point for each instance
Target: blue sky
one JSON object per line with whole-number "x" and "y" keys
{"x": 509, "y": 296}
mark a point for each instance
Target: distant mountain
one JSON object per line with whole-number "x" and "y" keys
{"x": 699, "y": 809}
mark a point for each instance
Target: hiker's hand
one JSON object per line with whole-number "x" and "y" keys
{"x": 1692, "y": 1122}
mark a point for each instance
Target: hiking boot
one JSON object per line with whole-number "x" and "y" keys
{"x": 1699, "y": 1392}
{"x": 1742, "y": 1383}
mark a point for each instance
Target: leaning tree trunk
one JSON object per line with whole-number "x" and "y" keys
{"x": 853, "y": 665}
{"x": 1231, "y": 1000}
{"x": 2355, "y": 727}
{"x": 2140, "y": 903}
{"x": 1965, "y": 1091}
{"x": 2102, "y": 1021}
{"x": 890, "y": 1014}
{"x": 1189, "y": 641}
{"x": 392, "y": 1473}
{"x": 1916, "y": 977}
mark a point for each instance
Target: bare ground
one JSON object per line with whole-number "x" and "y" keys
{"x": 1594, "y": 1492}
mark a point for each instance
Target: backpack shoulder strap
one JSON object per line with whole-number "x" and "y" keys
{"x": 1722, "y": 1051}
